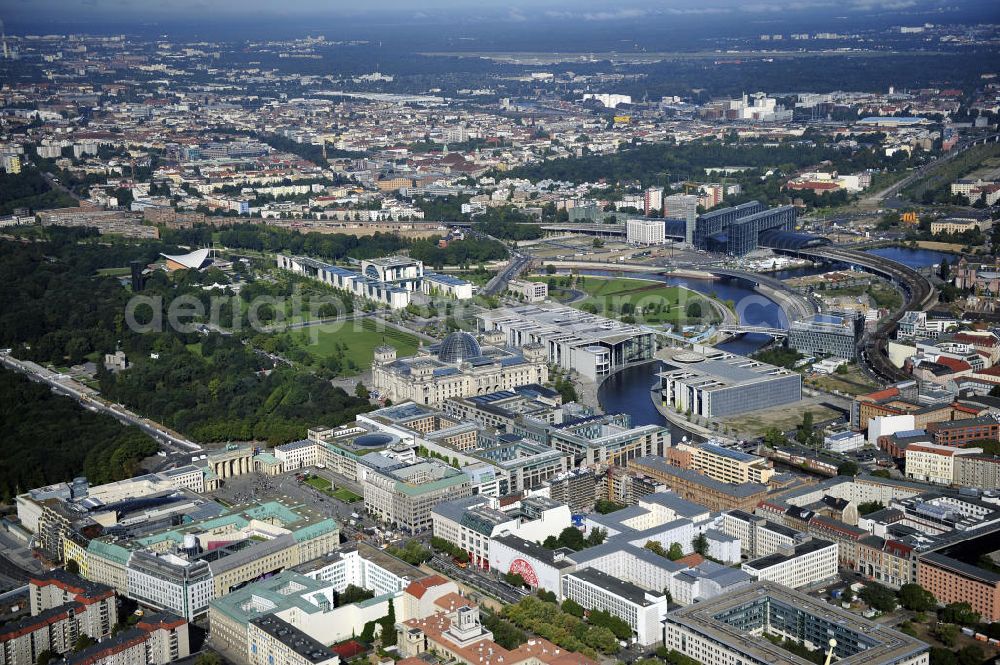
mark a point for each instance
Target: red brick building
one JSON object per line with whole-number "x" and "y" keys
{"x": 952, "y": 581}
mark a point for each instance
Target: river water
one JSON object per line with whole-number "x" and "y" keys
{"x": 914, "y": 258}
{"x": 628, "y": 391}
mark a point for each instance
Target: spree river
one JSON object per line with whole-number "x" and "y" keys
{"x": 914, "y": 258}
{"x": 628, "y": 391}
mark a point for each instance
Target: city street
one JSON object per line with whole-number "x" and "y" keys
{"x": 91, "y": 400}
{"x": 478, "y": 579}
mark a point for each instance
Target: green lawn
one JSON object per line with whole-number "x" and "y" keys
{"x": 648, "y": 301}
{"x": 345, "y": 495}
{"x": 326, "y": 487}
{"x": 114, "y": 272}
{"x": 354, "y": 340}
{"x": 322, "y": 484}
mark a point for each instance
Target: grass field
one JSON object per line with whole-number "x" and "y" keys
{"x": 649, "y": 302}
{"x": 852, "y": 383}
{"x": 322, "y": 484}
{"x": 354, "y": 340}
{"x": 114, "y": 272}
{"x": 345, "y": 495}
{"x": 784, "y": 418}
{"x": 326, "y": 487}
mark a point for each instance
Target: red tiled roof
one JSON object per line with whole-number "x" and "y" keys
{"x": 981, "y": 340}
{"x": 451, "y": 601}
{"x": 937, "y": 451}
{"x": 692, "y": 559}
{"x": 881, "y": 394}
{"x": 418, "y": 588}
{"x": 954, "y": 364}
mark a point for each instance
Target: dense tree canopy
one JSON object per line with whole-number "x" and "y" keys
{"x": 53, "y": 308}
{"x": 224, "y": 391}
{"x": 47, "y": 438}
{"x": 338, "y": 246}
{"x": 28, "y": 189}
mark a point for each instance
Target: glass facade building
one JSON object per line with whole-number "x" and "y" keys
{"x": 736, "y": 230}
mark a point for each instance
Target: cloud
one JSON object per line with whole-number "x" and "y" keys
{"x": 617, "y": 15}
{"x": 515, "y": 14}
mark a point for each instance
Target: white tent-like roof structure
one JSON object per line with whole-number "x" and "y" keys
{"x": 195, "y": 260}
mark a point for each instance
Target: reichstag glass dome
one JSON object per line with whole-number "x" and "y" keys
{"x": 457, "y": 347}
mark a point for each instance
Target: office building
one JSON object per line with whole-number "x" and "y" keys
{"x": 274, "y": 641}
{"x": 724, "y": 464}
{"x": 826, "y": 335}
{"x": 652, "y": 200}
{"x": 11, "y": 163}
{"x": 918, "y": 325}
{"x": 608, "y": 439}
{"x": 887, "y": 561}
{"x": 503, "y": 409}
{"x": 979, "y": 471}
{"x": 522, "y": 464}
{"x": 737, "y": 230}
{"x": 400, "y": 271}
{"x": 800, "y": 565}
{"x": 357, "y": 284}
{"x": 592, "y": 345}
{"x": 952, "y": 580}
{"x": 758, "y": 536}
{"x": 844, "y": 442}
{"x": 731, "y": 629}
{"x": 471, "y": 523}
{"x": 307, "y": 596}
{"x": 576, "y": 487}
{"x": 440, "y": 285}
{"x": 404, "y": 494}
{"x": 539, "y": 567}
{"x": 530, "y": 292}
{"x": 902, "y": 399}
{"x": 645, "y": 232}
{"x": 180, "y": 569}
{"x": 457, "y": 367}
{"x": 682, "y": 207}
{"x": 642, "y": 610}
{"x": 963, "y": 432}
{"x": 702, "y": 489}
{"x": 391, "y": 280}
{"x": 933, "y": 463}
{"x": 716, "y": 384}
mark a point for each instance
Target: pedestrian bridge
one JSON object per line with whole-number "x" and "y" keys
{"x": 760, "y": 330}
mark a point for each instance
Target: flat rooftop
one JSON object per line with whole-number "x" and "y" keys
{"x": 613, "y": 585}
{"x": 305, "y": 647}
{"x": 717, "y": 370}
{"x": 884, "y": 645}
{"x": 801, "y": 549}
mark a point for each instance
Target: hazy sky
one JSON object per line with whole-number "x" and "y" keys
{"x": 590, "y": 10}
{"x": 215, "y": 16}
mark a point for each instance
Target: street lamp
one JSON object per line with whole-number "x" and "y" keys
{"x": 829, "y": 654}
